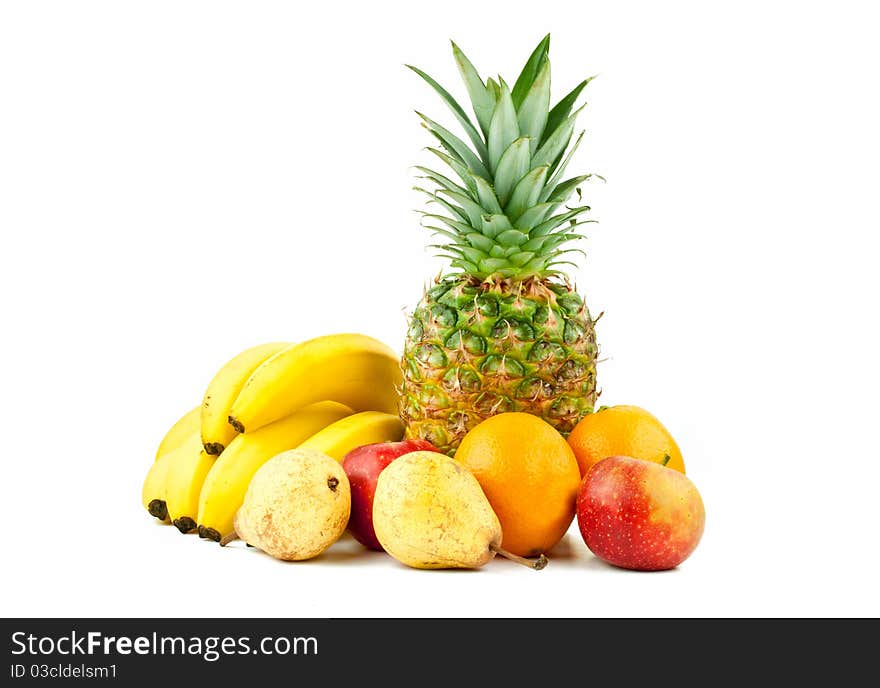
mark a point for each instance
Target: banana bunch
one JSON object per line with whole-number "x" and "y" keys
{"x": 330, "y": 394}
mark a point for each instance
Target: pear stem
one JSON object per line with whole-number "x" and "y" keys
{"x": 536, "y": 564}
{"x": 229, "y": 537}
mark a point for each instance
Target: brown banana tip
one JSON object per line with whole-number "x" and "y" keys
{"x": 158, "y": 509}
{"x": 214, "y": 448}
{"x": 209, "y": 534}
{"x": 236, "y": 425}
{"x": 184, "y": 524}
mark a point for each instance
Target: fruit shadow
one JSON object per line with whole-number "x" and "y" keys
{"x": 568, "y": 550}
{"x": 562, "y": 550}
{"x": 344, "y": 550}
{"x": 347, "y": 549}
{"x": 355, "y": 551}
{"x": 334, "y": 554}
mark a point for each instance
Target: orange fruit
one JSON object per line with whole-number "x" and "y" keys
{"x": 623, "y": 431}
{"x": 530, "y": 476}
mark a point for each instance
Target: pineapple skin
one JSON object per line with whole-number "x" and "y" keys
{"x": 475, "y": 349}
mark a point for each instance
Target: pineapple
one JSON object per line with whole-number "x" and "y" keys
{"x": 506, "y": 331}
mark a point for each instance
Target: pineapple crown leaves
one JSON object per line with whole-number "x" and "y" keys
{"x": 506, "y": 214}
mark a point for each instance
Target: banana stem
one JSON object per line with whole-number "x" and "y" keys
{"x": 536, "y": 564}
{"x": 229, "y": 537}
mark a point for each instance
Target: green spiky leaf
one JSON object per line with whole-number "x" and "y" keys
{"x": 480, "y": 241}
{"x": 535, "y": 244}
{"x": 511, "y": 237}
{"x": 474, "y": 255}
{"x": 482, "y": 100}
{"x": 491, "y": 265}
{"x": 494, "y": 91}
{"x": 455, "y": 145}
{"x": 561, "y": 262}
{"x": 440, "y": 180}
{"x": 556, "y": 254}
{"x": 525, "y": 193}
{"x": 536, "y": 266}
{"x": 555, "y": 221}
{"x": 545, "y": 243}
{"x": 533, "y": 216}
{"x": 561, "y": 110}
{"x": 513, "y": 166}
{"x": 521, "y": 258}
{"x": 486, "y": 196}
{"x": 552, "y": 149}
{"x": 530, "y": 71}
{"x": 459, "y": 113}
{"x": 493, "y": 225}
{"x": 464, "y": 266}
{"x": 565, "y": 189}
{"x": 560, "y": 169}
{"x": 503, "y": 129}
{"x": 451, "y": 207}
{"x": 472, "y": 209}
{"x": 452, "y": 236}
{"x": 458, "y": 167}
{"x": 532, "y": 113}
{"x": 460, "y": 227}
{"x": 501, "y": 222}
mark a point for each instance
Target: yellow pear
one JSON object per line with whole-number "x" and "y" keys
{"x": 296, "y": 505}
{"x": 429, "y": 512}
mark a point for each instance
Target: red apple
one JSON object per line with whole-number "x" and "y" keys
{"x": 639, "y": 514}
{"x": 362, "y": 465}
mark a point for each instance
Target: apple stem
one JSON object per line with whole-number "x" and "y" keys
{"x": 536, "y": 564}
{"x": 229, "y": 537}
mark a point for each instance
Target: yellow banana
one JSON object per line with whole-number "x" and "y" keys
{"x": 224, "y": 388}
{"x": 226, "y": 483}
{"x": 153, "y": 491}
{"x": 154, "y": 494}
{"x": 353, "y": 369}
{"x": 183, "y": 483}
{"x": 367, "y": 427}
{"x": 183, "y": 428}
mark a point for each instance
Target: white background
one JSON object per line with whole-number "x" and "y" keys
{"x": 182, "y": 180}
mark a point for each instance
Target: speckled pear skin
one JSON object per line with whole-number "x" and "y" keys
{"x": 429, "y": 512}
{"x": 296, "y": 506}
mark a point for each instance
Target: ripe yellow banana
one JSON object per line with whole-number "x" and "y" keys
{"x": 183, "y": 484}
{"x": 226, "y": 483}
{"x": 353, "y": 369}
{"x": 367, "y": 427}
{"x": 217, "y": 433}
{"x": 183, "y": 428}
{"x": 153, "y": 493}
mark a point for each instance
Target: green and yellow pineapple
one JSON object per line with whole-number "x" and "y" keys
{"x": 506, "y": 332}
